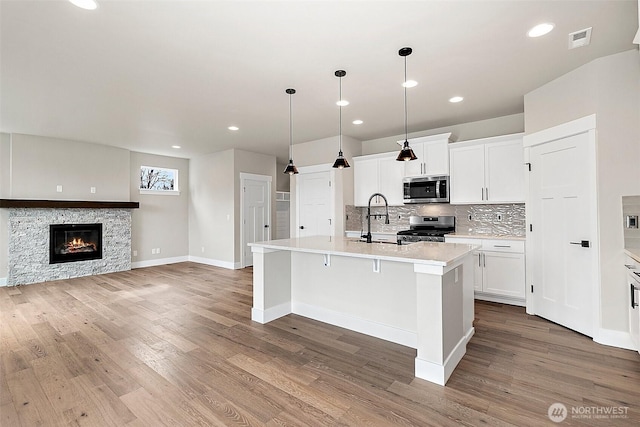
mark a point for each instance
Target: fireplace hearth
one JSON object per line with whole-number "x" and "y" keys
{"x": 74, "y": 242}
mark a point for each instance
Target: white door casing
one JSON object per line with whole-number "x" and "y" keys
{"x": 315, "y": 209}
{"x": 562, "y": 211}
{"x": 255, "y": 213}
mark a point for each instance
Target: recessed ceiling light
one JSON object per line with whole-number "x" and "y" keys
{"x": 342, "y": 103}
{"x": 176, "y": 146}
{"x": 410, "y": 83}
{"x": 357, "y": 122}
{"x": 540, "y": 30}
{"x": 455, "y": 99}
{"x": 85, "y": 4}
{"x": 233, "y": 128}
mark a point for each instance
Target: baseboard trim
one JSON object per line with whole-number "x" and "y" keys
{"x": 500, "y": 299}
{"x": 440, "y": 374}
{"x": 357, "y": 324}
{"x": 3, "y": 281}
{"x": 215, "y": 262}
{"x": 612, "y": 338}
{"x": 160, "y": 261}
{"x": 273, "y": 313}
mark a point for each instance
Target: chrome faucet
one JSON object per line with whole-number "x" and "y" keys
{"x": 386, "y": 221}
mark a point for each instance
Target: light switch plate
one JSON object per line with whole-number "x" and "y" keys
{"x": 631, "y": 221}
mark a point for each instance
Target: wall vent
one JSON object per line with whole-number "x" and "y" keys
{"x": 580, "y": 38}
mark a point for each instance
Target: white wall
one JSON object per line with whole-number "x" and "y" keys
{"x": 610, "y": 88}
{"x": 212, "y": 208}
{"x": 460, "y": 132}
{"x": 214, "y": 205}
{"x": 39, "y": 164}
{"x": 162, "y": 220}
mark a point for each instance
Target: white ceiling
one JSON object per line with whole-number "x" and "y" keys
{"x": 145, "y": 75}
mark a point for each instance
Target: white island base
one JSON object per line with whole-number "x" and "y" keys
{"x": 419, "y": 295}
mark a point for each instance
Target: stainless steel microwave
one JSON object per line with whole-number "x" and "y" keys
{"x": 426, "y": 189}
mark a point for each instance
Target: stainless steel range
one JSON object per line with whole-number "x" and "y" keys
{"x": 428, "y": 228}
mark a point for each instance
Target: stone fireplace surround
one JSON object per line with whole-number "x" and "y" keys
{"x": 29, "y": 239}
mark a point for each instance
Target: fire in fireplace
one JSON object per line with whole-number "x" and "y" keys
{"x": 74, "y": 242}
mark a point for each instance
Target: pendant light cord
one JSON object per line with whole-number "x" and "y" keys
{"x": 340, "y": 115}
{"x": 406, "y": 134}
{"x": 290, "y": 130}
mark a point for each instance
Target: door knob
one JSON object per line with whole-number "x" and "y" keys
{"x": 302, "y": 227}
{"x": 583, "y": 243}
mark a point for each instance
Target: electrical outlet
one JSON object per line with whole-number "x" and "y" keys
{"x": 498, "y": 217}
{"x": 93, "y": 190}
{"x": 59, "y": 188}
{"x": 135, "y": 253}
{"x": 202, "y": 249}
{"x": 157, "y": 250}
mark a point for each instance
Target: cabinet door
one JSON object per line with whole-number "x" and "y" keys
{"x": 467, "y": 174}
{"x": 415, "y": 167}
{"x": 390, "y": 174}
{"x": 504, "y": 274}
{"x": 436, "y": 158}
{"x": 365, "y": 175}
{"x": 504, "y": 165}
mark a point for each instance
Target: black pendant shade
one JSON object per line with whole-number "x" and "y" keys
{"x": 291, "y": 168}
{"x": 406, "y": 153}
{"x": 340, "y": 162}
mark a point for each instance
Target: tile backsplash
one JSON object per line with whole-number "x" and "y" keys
{"x": 470, "y": 219}
{"x": 631, "y": 206}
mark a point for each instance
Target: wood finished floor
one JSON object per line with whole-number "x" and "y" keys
{"x": 174, "y": 345}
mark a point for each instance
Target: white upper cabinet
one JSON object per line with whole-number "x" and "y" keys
{"x": 378, "y": 173}
{"x": 433, "y": 155}
{"x": 489, "y": 170}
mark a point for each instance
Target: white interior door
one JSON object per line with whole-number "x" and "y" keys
{"x": 256, "y": 212}
{"x": 314, "y": 195}
{"x": 563, "y": 216}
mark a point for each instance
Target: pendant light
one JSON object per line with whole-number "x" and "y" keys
{"x": 340, "y": 162}
{"x": 406, "y": 153}
{"x": 291, "y": 168}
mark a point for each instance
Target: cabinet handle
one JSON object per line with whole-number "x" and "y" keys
{"x": 487, "y": 192}
{"x": 501, "y": 246}
{"x": 482, "y": 189}
{"x": 484, "y": 260}
{"x": 634, "y": 304}
{"x": 630, "y": 266}
{"x": 583, "y": 243}
{"x": 479, "y": 255}
{"x": 302, "y": 227}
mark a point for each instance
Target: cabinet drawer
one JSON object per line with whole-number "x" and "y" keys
{"x": 501, "y": 245}
{"x": 464, "y": 240}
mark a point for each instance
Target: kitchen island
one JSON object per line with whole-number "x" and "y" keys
{"x": 418, "y": 295}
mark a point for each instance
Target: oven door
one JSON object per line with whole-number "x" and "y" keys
{"x": 426, "y": 189}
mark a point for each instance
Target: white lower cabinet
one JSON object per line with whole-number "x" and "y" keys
{"x": 499, "y": 269}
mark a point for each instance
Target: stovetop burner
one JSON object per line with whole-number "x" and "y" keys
{"x": 428, "y": 228}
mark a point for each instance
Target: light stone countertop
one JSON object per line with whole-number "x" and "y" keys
{"x": 633, "y": 253}
{"x": 487, "y": 236}
{"x": 430, "y": 253}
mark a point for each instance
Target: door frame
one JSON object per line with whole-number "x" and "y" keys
{"x": 583, "y": 125}
{"x": 255, "y": 177}
{"x": 327, "y": 167}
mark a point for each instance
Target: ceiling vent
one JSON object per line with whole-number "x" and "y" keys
{"x": 580, "y": 38}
